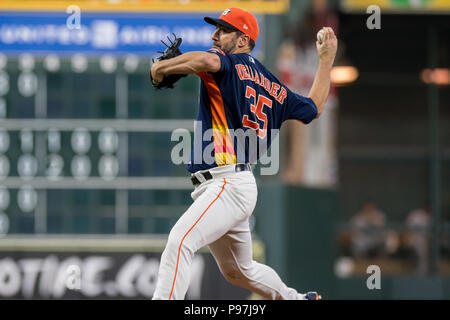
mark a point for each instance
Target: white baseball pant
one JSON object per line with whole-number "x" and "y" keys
{"x": 219, "y": 218}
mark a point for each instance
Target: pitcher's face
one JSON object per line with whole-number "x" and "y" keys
{"x": 224, "y": 39}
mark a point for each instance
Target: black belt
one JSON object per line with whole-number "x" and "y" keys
{"x": 207, "y": 175}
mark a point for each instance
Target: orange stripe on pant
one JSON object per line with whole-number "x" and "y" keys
{"x": 179, "y": 248}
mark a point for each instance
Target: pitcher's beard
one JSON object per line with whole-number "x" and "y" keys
{"x": 229, "y": 47}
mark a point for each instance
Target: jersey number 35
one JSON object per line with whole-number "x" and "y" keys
{"x": 257, "y": 109}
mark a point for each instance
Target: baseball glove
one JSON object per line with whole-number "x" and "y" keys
{"x": 172, "y": 51}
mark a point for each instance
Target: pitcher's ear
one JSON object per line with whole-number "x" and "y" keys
{"x": 243, "y": 40}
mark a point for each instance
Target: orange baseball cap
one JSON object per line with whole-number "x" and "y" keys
{"x": 237, "y": 19}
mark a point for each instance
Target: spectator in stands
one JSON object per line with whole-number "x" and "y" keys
{"x": 418, "y": 223}
{"x": 368, "y": 232}
{"x": 313, "y": 149}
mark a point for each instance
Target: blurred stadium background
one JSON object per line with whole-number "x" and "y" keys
{"x": 88, "y": 191}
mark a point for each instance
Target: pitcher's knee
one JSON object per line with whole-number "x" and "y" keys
{"x": 177, "y": 242}
{"x": 237, "y": 276}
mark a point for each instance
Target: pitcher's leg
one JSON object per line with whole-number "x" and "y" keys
{"x": 206, "y": 220}
{"x": 234, "y": 256}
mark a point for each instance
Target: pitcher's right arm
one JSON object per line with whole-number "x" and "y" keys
{"x": 321, "y": 85}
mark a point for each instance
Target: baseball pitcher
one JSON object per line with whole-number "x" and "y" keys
{"x": 237, "y": 92}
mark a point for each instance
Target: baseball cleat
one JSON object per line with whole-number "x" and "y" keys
{"x": 312, "y": 295}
